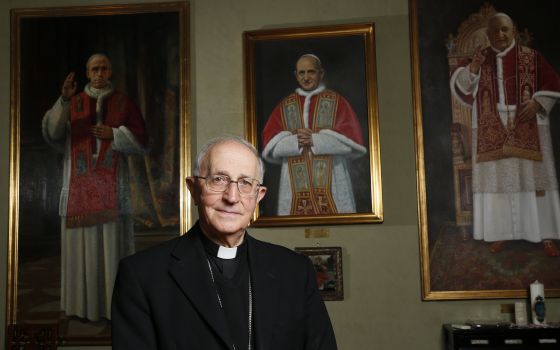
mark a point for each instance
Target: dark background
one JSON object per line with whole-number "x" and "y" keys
{"x": 345, "y": 72}
{"x": 143, "y": 49}
{"x": 436, "y": 20}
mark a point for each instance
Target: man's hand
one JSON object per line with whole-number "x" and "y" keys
{"x": 69, "y": 86}
{"x": 528, "y": 110}
{"x": 477, "y": 60}
{"x": 103, "y": 132}
{"x": 304, "y": 137}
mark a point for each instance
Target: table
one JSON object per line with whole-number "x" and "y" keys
{"x": 501, "y": 337}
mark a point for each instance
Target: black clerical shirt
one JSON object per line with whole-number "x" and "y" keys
{"x": 231, "y": 279}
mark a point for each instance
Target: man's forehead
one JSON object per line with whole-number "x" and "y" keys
{"x": 232, "y": 172}
{"x": 99, "y": 61}
{"x": 500, "y": 21}
{"x": 304, "y": 62}
{"x": 102, "y": 62}
{"x": 230, "y": 157}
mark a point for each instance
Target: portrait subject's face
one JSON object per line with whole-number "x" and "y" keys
{"x": 227, "y": 213}
{"x": 500, "y": 32}
{"x": 308, "y": 73}
{"x": 99, "y": 72}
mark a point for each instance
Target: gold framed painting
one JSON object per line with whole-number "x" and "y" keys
{"x": 311, "y": 110}
{"x": 99, "y": 148}
{"x": 488, "y": 227}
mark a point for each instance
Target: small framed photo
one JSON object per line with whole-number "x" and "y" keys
{"x": 327, "y": 262}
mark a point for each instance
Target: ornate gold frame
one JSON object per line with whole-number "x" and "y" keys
{"x": 181, "y": 9}
{"x": 299, "y": 40}
{"x": 428, "y": 293}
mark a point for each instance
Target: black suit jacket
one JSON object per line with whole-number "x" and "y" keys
{"x": 164, "y": 298}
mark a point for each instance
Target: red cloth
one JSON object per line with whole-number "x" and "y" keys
{"x": 547, "y": 78}
{"x": 93, "y": 195}
{"x": 524, "y": 73}
{"x": 346, "y": 123}
{"x": 327, "y": 111}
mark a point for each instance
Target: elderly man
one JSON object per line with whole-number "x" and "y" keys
{"x": 217, "y": 287}
{"x": 312, "y": 133}
{"x": 95, "y": 130}
{"x": 511, "y": 89}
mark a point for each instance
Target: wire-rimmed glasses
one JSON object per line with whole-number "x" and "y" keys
{"x": 220, "y": 183}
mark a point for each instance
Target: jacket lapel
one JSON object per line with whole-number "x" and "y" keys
{"x": 265, "y": 286}
{"x": 190, "y": 272}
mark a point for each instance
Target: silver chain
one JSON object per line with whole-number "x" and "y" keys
{"x": 250, "y": 311}
{"x": 250, "y": 321}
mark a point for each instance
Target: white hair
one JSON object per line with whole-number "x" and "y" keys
{"x": 203, "y": 152}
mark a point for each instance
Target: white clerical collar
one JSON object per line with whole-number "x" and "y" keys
{"x": 96, "y": 93}
{"x": 308, "y": 95}
{"x": 227, "y": 253}
{"x": 304, "y": 93}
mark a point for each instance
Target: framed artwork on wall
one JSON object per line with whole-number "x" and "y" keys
{"x": 327, "y": 262}
{"x": 311, "y": 110}
{"x": 487, "y": 147}
{"x": 99, "y": 148}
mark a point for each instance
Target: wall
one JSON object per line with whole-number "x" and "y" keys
{"x": 382, "y": 307}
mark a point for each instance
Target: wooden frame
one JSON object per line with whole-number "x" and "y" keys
{"x": 347, "y": 53}
{"x": 148, "y": 45}
{"x": 455, "y": 266}
{"x": 327, "y": 262}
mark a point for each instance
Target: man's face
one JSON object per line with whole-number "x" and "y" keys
{"x": 308, "y": 74}
{"x": 227, "y": 213}
{"x": 500, "y": 32}
{"x": 99, "y": 72}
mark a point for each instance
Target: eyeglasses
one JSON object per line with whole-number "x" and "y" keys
{"x": 220, "y": 183}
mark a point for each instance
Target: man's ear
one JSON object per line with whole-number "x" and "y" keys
{"x": 193, "y": 188}
{"x": 261, "y": 193}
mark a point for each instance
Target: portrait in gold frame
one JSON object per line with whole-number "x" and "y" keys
{"x": 148, "y": 45}
{"x": 347, "y": 56}
{"x": 454, "y": 265}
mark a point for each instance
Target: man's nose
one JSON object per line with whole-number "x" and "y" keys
{"x": 232, "y": 193}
